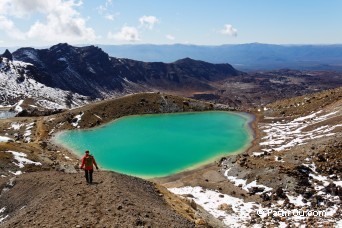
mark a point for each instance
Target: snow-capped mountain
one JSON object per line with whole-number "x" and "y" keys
{"x": 65, "y": 76}
{"x": 78, "y": 73}
{"x": 17, "y": 82}
{"x": 91, "y": 72}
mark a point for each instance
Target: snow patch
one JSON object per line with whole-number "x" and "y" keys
{"x": 126, "y": 80}
{"x": 17, "y": 107}
{"x": 338, "y": 183}
{"x": 257, "y": 154}
{"x": 14, "y": 83}
{"x": 5, "y": 139}
{"x": 15, "y": 126}
{"x": 238, "y": 213}
{"x": 98, "y": 116}
{"x": 297, "y": 200}
{"x": 243, "y": 183}
{"x": 52, "y": 131}
{"x": 254, "y": 184}
{"x": 285, "y": 135}
{"x": 78, "y": 119}
{"x": 276, "y": 158}
{"x": 21, "y": 159}
{"x": 211, "y": 200}
{"x": 62, "y": 59}
{"x": 339, "y": 223}
{"x": 320, "y": 178}
{"x": 16, "y": 173}
{"x": 28, "y": 132}
{"x": 2, "y": 217}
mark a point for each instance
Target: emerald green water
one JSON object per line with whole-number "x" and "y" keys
{"x": 160, "y": 145}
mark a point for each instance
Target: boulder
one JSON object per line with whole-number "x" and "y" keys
{"x": 225, "y": 207}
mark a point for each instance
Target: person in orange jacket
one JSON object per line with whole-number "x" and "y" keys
{"x": 88, "y": 163}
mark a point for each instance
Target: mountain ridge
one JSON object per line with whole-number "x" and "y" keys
{"x": 245, "y": 57}
{"x": 90, "y": 71}
{"x": 78, "y": 75}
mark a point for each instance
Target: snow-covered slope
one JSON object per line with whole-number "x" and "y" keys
{"x": 291, "y": 177}
{"x": 91, "y": 72}
{"x": 17, "y": 84}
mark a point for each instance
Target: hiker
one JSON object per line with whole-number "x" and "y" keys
{"x": 88, "y": 162}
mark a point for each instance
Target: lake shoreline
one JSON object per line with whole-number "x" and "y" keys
{"x": 245, "y": 118}
{"x": 210, "y": 170}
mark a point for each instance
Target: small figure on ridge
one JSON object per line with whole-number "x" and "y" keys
{"x": 88, "y": 162}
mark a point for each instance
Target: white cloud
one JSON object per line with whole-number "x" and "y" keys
{"x": 10, "y": 29}
{"x": 5, "y": 23}
{"x": 102, "y": 9}
{"x": 170, "y": 37}
{"x": 112, "y": 17}
{"x": 61, "y": 21}
{"x": 229, "y": 30}
{"x": 126, "y": 33}
{"x": 148, "y": 21}
{"x": 21, "y": 8}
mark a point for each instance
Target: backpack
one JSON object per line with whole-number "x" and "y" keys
{"x": 89, "y": 161}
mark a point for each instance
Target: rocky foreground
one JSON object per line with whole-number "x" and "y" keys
{"x": 290, "y": 177}
{"x": 56, "y": 199}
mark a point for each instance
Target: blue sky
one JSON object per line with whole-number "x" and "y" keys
{"x": 200, "y": 22}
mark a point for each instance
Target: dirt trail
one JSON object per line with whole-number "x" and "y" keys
{"x": 113, "y": 200}
{"x": 41, "y": 130}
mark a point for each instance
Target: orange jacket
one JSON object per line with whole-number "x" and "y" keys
{"x": 88, "y": 165}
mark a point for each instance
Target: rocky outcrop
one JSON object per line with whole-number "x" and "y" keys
{"x": 7, "y": 54}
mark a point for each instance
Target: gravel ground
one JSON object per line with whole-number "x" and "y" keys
{"x": 113, "y": 200}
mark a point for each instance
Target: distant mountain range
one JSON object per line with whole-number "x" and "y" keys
{"x": 245, "y": 57}
{"x": 65, "y": 76}
{"x": 90, "y": 72}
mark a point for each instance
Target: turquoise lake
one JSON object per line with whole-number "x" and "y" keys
{"x": 161, "y": 145}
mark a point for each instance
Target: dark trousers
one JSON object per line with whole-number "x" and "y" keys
{"x": 89, "y": 175}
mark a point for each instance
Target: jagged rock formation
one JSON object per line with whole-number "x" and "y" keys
{"x": 7, "y": 54}
{"x": 17, "y": 82}
{"x": 91, "y": 72}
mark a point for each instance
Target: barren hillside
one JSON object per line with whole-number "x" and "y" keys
{"x": 294, "y": 164}
{"x": 57, "y": 199}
